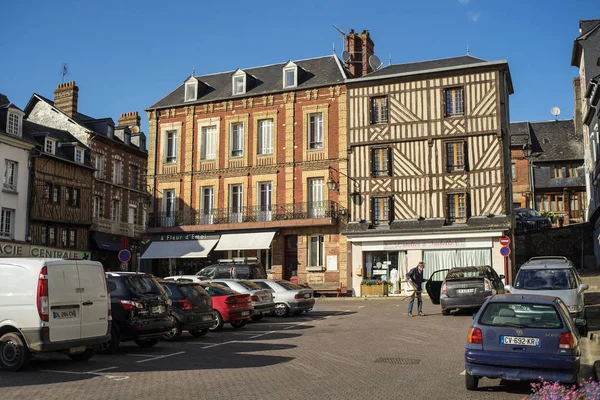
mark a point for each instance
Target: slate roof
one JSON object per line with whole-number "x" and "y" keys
{"x": 427, "y": 65}
{"x": 519, "y": 133}
{"x": 556, "y": 141}
{"x": 588, "y": 27}
{"x": 3, "y": 100}
{"x": 320, "y": 71}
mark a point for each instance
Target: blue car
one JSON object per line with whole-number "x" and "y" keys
{"x": 522, "y": 338}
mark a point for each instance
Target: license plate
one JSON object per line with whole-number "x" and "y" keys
{"x": 521, "y": 341}
{"x": 307, "y": 295}
{"x": 207, "y": 318}
{"x": 64, "y": 314}
{"x": 245, "y": 312}
{"x": 157, "y": 310}
{"x": 465, "y": 291}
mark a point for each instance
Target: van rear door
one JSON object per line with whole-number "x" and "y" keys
{"x": 94, "y": 299}
{"x": 64, "y": 300}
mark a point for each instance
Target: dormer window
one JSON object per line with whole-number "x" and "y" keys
{"x": 127, "y": 138}
{"x": 13, "y": 124}
{"x": 49, "y": 146}
{"x": 191, "y": 89}
{"x": 239, "y": 82}
{"x": 290, "y": 75}
{"x": 78, "y": 155}
{"x": 109, "y": 131}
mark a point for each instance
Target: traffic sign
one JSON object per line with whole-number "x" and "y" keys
{"x": 124, "y": 242}
{"x": 124, "y": 255}
{"x": 124, "y": 266}
{"x": 505, "y": 251}
{"x": 504, "y": 241}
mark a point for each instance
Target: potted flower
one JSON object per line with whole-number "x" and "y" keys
{"x": 374, "y": 287}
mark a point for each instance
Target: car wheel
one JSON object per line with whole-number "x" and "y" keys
{"x": 14, "y": 354}
{"x": 445, "y": 312}
{"x": 239, "y": 324}
{"x": 173, "y": 334}
{"x": 218, "y": 325}
{"x": 257, "y": 317}
{"x": 83, "y": 356}
{"x": 146, "y": 343}
{"x": 471, "y": 382}
{"x": 110, "y": 346}
{"x": 281, "y": 310}
{"x": 198, "y": 332}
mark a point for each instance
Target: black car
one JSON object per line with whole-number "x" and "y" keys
{"x": 527, "y": 220}
{"x": 141, "y": 310}
{"x": 463, "y": 287}
{"x": 231, "y": 270}
{"x": 191, "y": 308}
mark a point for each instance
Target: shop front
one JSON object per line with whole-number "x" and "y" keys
{"x": 23, "y": 249}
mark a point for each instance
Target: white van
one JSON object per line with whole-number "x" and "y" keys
{"x": 51, "y": 305}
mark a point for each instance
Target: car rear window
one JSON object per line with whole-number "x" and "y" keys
{"x": 208, "y": 272}
{"x": 144, "y": 286}
{"x": 521, "y": 315}
{"x": 289, "y": 285}
{"x": 172, "y": 291}
{"x": 218, "y": 290}
{"x": 546, "y": 279}
{"x": 193, "y": 291}
{"x": 250, "y": 285}
{"x": 465, "y": 273}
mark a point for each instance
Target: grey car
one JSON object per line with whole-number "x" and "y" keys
{"x": 262, "y": 300}
{"x": 553, "y": 276}
{"x": 289, "y": 298}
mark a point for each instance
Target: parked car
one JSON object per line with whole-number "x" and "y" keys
{"x": 527, "y": 220}
{"x": 230, "y": 306}
{"x": 185, "y": 278}
{"x": 227, "y": 269}
{"x": 525, "y": 337}
{"x": 553, "y": 276}
{"x": 463, "y": 287}
{"x": 191, "y": 307}
{"x": 51, "y": 305}
{"x": 141, "y": 310}
{"x": 289, "y": 298}
{"x": 262, "y": 300}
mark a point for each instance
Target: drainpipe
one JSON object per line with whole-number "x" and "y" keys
{"x": 155, "y": 163}
{"x": 532, "y": 184}
{"x": 31, "y": 172}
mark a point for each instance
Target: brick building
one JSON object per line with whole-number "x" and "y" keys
{"x": 240, "y": 165}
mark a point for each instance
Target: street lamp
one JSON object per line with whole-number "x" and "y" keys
{"x": 333, "y": 185}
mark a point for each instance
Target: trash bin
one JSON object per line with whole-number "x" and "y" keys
{"x": 561, "y": 221}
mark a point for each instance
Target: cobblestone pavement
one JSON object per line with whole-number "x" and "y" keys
{"x": 334, "y": 352}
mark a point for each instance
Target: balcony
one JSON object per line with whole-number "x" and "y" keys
{"x": 116, "y": 227}
{"x": 294, "y": 214}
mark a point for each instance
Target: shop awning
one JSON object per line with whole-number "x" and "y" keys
{"x": 105, "y": 241}
{"x": 180, "y": 249}
{"x": 245, "y": 241}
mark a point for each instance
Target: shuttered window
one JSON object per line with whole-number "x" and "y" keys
{"x": 454, "y": 102}
{"x": 457, "y": 208}
{"x": 455, "y": 156}
{"x": 382, "y": 161}
{"x": 379, "y": 110}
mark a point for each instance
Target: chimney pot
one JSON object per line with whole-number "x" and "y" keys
{"x": 66, "y": 98}
{"x": 361, "y": 48}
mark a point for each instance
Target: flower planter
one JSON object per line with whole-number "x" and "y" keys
{"x": 374, "y": 290}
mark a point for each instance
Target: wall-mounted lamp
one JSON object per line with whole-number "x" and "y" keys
{"x": 527, "y": 150}
{"x": 333, "y": 185}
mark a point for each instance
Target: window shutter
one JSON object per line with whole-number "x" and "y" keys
{"x": 373, "y": 162}
{"x": 389, "y": 160}
{"x": 466, "y": 156}
{"x": 467, "y": 205}
{"x": 391, "y": 210}
{"x": 372, "y": 211}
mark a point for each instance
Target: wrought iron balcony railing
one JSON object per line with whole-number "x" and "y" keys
{"x": 236, "y": 215}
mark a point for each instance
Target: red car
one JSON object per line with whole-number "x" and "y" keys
{"x": 230, "y": 306}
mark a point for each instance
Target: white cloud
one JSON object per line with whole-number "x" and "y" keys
{"x": 474, "y": 16}
{"x": 463, "y": 2}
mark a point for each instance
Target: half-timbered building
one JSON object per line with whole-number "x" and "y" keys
{"x": 429, "y": 157}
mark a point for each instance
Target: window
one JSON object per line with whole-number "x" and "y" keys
{"x": 56, "y": 194}
{"x": 209, "y": 143}
{"x": 454, "y": 102}
{"x": 550, "y": 202}
{"x": 170, "y": 203}
{"x": 239, "y": 84}
{"x": 236, "y": 202}
{"x": 49, "y": 146}
{"x": 512, "y": 171}
{"x": 52, "y": 236}
{"x": 171, "y": 147}
{"x": 6, "y": 223}
{"x": 382, "y": 161}
{"x": 116, "y": 210}
{"x": 237, "y": 139}
{"x": 11, "y": 169}
{"x": 13, "y": 125}
{"x": 64, "y": 237}
{"x": 208, "y": 204}
{"x": 457, "y": 208}
{"x": 558, "y": 172}
{"x": 289, "y": 77}
{"x": 265, "y": 136}
{"x": 118, "y": 172}
{"x": 571, "y": 171}
{"x": 72, "y": 238}
{"x": 72, "y": 197}
{"x": 96, "y": 201}
{"x": 44, "y": 235}
{"x": 99, "y": 164}
{"x": 316, "y": 203}
{"x": 455, "y": 156}
{"x": 191, "y": 90}
{"x": 265, "y": 201}
{"x": 109, "y": 131}
{"x": 316, "y": 251}
{"x": 78, "y": 155}
{"x": 381, "y": 210}
{"x": 315, "y": 131}
{"x": 379, "y": 110}
{"x": 131, "y": 215}
{"x": 134, "y": 172}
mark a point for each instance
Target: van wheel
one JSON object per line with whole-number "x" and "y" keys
{"x": 83, "y": 356}
{"x": 198, "y": 332}
{"x": 257, "y": 317}
{"x": 111, "y": 346}
{"x": 173, "y": 334}
{"x": 471, "y": 382}
{"x": 146, "y": 343}
{"x": 218, "y": 325}
{"x": 14, "y": 354}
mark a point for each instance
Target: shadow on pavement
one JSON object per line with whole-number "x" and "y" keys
{"x": 493, "y": 386}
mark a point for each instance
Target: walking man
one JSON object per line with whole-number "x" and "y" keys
{"x": 415, "y": 278}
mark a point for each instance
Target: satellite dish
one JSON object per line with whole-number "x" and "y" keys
{"x": 345, "y": 56}
{"x": 375, "y": 62}
{"x": 555, "y": 111}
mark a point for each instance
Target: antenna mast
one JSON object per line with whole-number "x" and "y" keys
{"x": 63, "y": 72}
{"x": 343, "y": 36}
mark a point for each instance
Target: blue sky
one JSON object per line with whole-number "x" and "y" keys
{"x": 125, "y": 55}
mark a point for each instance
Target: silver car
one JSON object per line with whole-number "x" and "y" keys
{"x": 262, "y": 300}
{"x": 553, "y": 276}
{"x": 289, "y": 298}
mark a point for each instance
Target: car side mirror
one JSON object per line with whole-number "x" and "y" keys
{"x": 580, "y": 322}
{"x": 582, "y": 288}
{"x": 501, "y": 276}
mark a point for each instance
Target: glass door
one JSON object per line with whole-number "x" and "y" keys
{"x": 235, "y": 203}
{"x": 264, "y": 201}
{"x": 208, "y": 198}
{"x": 316, "y": 204}
{"x": 169, "y": 208}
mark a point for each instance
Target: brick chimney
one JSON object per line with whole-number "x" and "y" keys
{"x": 361, "y": 47}
{"x": 577, "y": 113}
{"x": 130, "y": 120}
{"x": 65, "y": 98}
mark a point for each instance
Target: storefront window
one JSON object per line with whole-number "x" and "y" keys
{"x": 386, "y": 266}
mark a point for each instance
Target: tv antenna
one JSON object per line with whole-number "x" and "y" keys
{"x": 375, "y": 62}
{"x": 343, "y": 34}
{"x": 64, "y": 71}
{"x": 555, "y": 111}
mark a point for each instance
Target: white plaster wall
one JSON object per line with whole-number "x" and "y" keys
{"x": 357, "y": 265}
{"x": 497, "y": 259}
{"x": 17, "y": 202}
{"x": 43, "y": 114}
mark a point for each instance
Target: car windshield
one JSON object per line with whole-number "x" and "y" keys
{"x": 193, "y": 291}
{"x": 144, "y": 286}
{"x": 250, "y": 285}
{"x": 289, "y": 285}
{"x": 465, "y": 273}
{"x": 521, "y": 315}
{"x": 546, "y": 279}
{"x": 218, "y": 290}
{"x": 528, "y": 213}
{"x": 207, "y": 272}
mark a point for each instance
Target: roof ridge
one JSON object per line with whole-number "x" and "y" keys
{"x": 438, "y": 59}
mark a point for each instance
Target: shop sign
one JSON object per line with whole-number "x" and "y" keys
{"x": 459, "y": 243}
{"x": 8, "y": 249}
{"x": 183, "y": 236}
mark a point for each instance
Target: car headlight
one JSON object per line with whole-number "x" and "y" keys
{"x": 576, "y": 308}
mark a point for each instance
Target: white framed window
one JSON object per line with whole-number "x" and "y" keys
{"x": 78, "y": 155}
{"x": 191, "y": 90}
{"x": 13, "y": 124}
{"x": 99, "y": 162}
{"x": 315, "y": 131}
{"x": 171, "y": 147}
{"x": 116, "y": 210}
{"x": 236, "y": 202}
{"x": 290, "y": 76}
{"x": 265, "y": 136}
{"x": 208, "y": 204}
{"x": 131, "y": 215}
{"x": 118, "y": 172}
{"x": 49, "y": 146}
{"x": 96, "y": 202}
{"x": 316, "y": 203}
{"x": 209, "y": 143}
{"x": 239, "y": 83}
{"x": 144, "y": 217}
{"x": 169, "y": 207}
{"x": 265, "y": 201}
{"x": 237, "y": 139}
{"x": 7, "y": 222}
{"x": 316, "y": 250}
{"x": 11, "y": 172}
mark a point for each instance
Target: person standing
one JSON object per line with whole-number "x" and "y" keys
{"x": 415, "y": 278}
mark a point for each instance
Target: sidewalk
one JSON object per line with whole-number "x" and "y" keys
{"x": 592, "y": 303}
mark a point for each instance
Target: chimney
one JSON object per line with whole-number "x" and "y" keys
{"x": 65, "y": 98}
{"x": 577, "y": 113}
{"x": 361, "y": 47}
{"x": 130, "y": 120}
